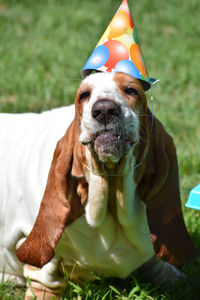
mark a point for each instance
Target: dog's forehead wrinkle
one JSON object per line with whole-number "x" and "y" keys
{"x": 95, "y": 79}
{"x": 102, "y": 84}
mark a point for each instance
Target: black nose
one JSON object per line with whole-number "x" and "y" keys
{"x": 104, "y": 111}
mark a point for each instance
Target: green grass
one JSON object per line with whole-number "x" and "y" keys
{"x": 43, "y": 46}
{"x": 9, "y": 291}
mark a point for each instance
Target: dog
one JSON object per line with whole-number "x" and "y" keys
{"x": 90, "y": 188}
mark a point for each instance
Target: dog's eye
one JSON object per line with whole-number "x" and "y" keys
{"x": 84, "y": 96}
{"x": 131, "y": 91}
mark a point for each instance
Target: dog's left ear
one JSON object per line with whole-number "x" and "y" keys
{"x": 56, "y": 208}
{"x": 159, "y": 188}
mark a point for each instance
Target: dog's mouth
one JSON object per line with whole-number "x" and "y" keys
{"x": 111, "y": 146}
{"x": 112, "y": 141}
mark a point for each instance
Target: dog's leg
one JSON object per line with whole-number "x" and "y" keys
{"x": 44, "y": 283}
{"x": 158, "y": 271}
{"x": 40, "y": 292}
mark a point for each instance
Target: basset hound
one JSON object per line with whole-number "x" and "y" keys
{"x": 110, "y": 192}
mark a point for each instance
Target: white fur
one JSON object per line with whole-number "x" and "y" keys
{"x": 105, "y": 249}
{"x": 27, "y": 143}
{"x": 96, "y": 207}
{"x": 98, "y": 241}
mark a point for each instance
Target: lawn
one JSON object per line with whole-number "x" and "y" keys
{"x": 44, "y": 45}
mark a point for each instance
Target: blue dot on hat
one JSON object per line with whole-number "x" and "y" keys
{"x": 128, "y": 67}
{"x": 98, "y": 58}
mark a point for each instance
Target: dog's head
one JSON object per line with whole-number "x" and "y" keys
{"x": 110, "y": 105}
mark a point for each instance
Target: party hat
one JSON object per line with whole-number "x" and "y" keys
{"x": 119, "y": 49}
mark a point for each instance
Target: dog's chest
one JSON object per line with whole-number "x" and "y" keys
{"x": 112, "y": 237}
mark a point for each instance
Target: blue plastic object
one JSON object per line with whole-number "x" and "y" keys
{"x": 194, "y": 198}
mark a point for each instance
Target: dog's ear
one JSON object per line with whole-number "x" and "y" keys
{"x": 162, "y": 197}
{"x": 58, "y": 207}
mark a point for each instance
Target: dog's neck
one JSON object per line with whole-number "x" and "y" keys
{"x": 111, "y": 190}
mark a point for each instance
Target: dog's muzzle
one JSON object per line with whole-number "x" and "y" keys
{"x": 111, "y": 143}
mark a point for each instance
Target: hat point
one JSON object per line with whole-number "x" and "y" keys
{"x": 119, "y": 49}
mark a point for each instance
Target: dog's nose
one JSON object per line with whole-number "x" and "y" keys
{"x": 104, "y": 111}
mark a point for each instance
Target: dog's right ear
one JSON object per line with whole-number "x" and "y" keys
{"x": 38, "y": 248}
{"x": 159, "y": 188}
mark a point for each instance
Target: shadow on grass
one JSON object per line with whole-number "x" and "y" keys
{"x": 134, "y": 288}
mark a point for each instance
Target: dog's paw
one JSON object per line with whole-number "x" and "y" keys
{"x": 158, "y": 271}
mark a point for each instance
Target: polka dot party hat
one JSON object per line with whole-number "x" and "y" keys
{"x": 119, "y": 49}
